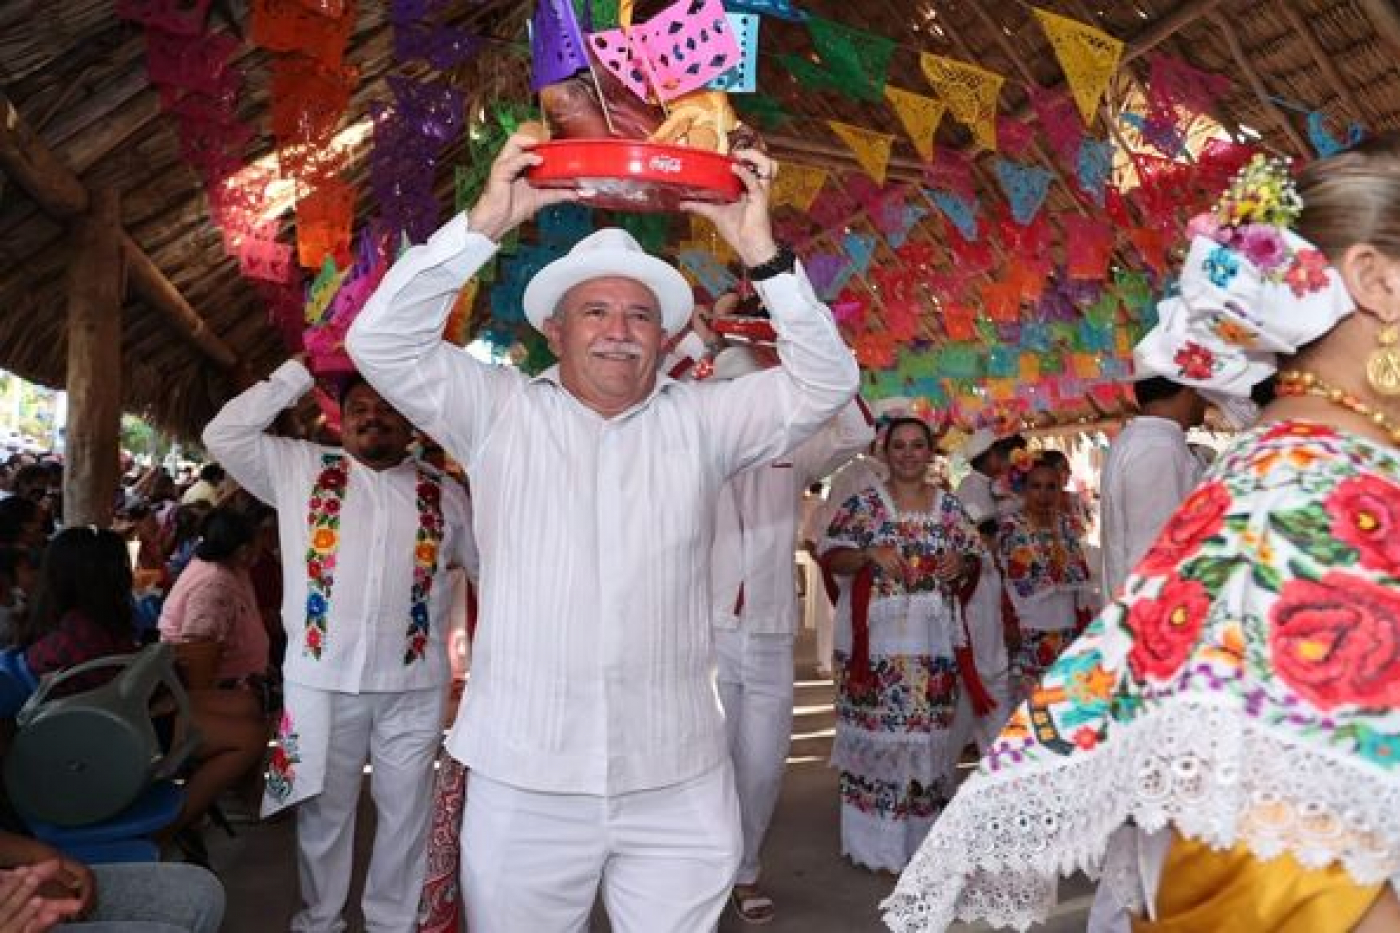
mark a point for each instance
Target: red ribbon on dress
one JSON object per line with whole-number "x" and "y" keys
{"x": 982, "y": 701}
{"x": 859, "y": 676}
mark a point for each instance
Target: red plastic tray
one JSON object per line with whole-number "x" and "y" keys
{"x": 630, "y": 175}
{"x": 747, "y": 329}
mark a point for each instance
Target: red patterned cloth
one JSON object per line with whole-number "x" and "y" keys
{"x": 440, "y": 906}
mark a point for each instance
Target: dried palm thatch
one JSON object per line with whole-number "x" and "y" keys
{"x": 76, "y": 77}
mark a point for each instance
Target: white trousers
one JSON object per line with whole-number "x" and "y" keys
{"x": 755, "y": 688}
{"x": 532, "y": 862}
{"x": 817, "y": 611}
{"x": 983, "y": 730}
{"x": 399, "y": 735}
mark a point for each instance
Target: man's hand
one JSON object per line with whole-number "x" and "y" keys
{"x": 700, "y": 323}
{"x": 509, "y": 199}
{"x": 746, "y": 224}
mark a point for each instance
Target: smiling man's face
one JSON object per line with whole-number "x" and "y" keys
{"x": 371, "y": 430}
{"x": 607, "y": 334}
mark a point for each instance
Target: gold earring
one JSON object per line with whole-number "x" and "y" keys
{"x": 1383, "y": 365}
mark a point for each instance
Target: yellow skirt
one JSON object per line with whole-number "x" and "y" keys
{"x": 1204, "y": 890}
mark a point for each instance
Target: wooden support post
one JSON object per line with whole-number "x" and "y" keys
{"x": 94, "y": 364}
{"x": 60, "y": 194}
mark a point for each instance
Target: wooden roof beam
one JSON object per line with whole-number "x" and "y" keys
{"x": 1166, "y": 27}
{"x": 1324, "y": 62}
{"x": 1256, "y": 83}
{"x": 59, "y": 193}
{"x": 900, "y": 169}
{"x": 1385, "y": 18}
{"x": 1154, "y": 35}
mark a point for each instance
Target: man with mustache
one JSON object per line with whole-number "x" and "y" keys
{"x": 592, "y": 729}
{"x": 367, "y": 535}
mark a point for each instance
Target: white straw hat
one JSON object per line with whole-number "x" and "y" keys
{"x": 611, "y": 251}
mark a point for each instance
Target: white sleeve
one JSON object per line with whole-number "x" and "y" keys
{"x": 458, "y": 511}
{"x": 976, "y": 497}
{"x": 759, "y": 418}
{"x": 396, "y": 342}
{"x": 836, "y": 443}
{"x": 237, "y": 436}
{"x": 1153, "y": 486}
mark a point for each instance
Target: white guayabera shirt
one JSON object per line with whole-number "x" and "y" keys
{"x": 592, "y": 662}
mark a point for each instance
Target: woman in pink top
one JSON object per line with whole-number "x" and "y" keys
{"x": 213, "y": 601}
{"x": 212, "y": 613}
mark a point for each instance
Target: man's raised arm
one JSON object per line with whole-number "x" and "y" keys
{"x": 396, "y": 341}
{"x": 237, "y": 436}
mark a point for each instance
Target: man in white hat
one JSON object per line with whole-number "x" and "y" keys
{"x": 591, "y": 729}
{"x": 989, "y": 455}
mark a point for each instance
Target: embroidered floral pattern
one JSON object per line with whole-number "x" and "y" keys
{"x": 1035, "y": 651}
{"x": 892, "y": 801}
{"x": 323, "y": 522}
{"x": 1234, "y": 332}
{"x": 281, "y": 765}
{"x": 1307, "y": 273}
{"x": 865, "y": 520}
{"x": 1165, "y": 629}
{"x": 1365, "y": 514}
{"x": 323, "y": 526}
{"x": 1263, "y": 246}
{"x": 1221, "y": 266}
{"x": 1195, "y": 361}
{"x": 1037, "y": 560}
{"x": 1197, "y": 518}
{"x": 892, "y": 747}
{"x": 427, "y": 541}
{"x": 1337, "y": 641}
{"x": 1242, "y": 687}
{"x": 908, "y": 694}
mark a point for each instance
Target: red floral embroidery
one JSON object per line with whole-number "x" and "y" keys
{"x": 1165, "y": 629}
{"x": 1337, "y": 641}
{"x": 1195, "y": 361}
{"x": 1199, "y": 517}
{"x": 1287, "y": 430}
{"x": 1365, "y": 513}
{"x": 1308, "y": 273}
{"x": 1086, "y": 738}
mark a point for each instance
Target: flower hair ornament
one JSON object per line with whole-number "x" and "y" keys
{"x": 1250, "y": 289}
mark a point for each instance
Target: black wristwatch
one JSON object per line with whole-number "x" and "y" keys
{"x": 783, "y": 261}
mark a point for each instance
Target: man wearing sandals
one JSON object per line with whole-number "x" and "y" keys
{"x": 592, "y": 731}
{"x": 754, "y": 611}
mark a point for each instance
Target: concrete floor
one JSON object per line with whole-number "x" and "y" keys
{"x": 815, "y": 890}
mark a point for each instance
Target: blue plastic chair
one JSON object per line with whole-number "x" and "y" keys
{"x": 17, "y": 682}
{"x": 121, "y": 838}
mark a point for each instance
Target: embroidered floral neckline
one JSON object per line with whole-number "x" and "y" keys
{"x": 323, "y": 526}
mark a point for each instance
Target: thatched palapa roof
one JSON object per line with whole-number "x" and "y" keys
{"x": 79, "y": 113}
